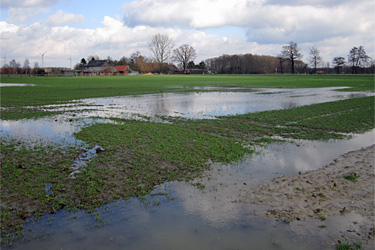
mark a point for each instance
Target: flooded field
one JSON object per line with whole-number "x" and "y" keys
{"x": 180, "y": 215}
{"x": 196, "y": 105}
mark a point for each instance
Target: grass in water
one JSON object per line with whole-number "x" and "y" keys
{"x": 139, "y": 155}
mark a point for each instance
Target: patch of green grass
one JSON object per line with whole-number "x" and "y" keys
{"x": 24, "y": 174}
{"x": 322, "y": 217}
{"x": 351, "y": 177}
{"x": 348, "y": 246}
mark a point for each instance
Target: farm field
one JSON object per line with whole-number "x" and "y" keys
{"x": 145, "y": 160}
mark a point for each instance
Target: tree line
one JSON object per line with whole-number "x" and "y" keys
{"x": 164, "y": 53}
{"x": 290, "y": 61}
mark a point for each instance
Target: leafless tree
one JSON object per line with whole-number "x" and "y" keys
{"x": 315, "y": 57}
{"x": 291, "y": 53}
{"x": 357, "y": 58}
{"x": 26, "y": 65}
{"x": 339, "y": 62}
{"x": 161, "y": 46}
{"x": 183, "y": 55}
{"x": 14, "y": 65}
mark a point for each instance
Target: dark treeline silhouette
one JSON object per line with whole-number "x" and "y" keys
{"x": 252, "y": 64}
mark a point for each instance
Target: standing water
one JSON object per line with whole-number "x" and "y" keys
{"x": 178, "y": 215}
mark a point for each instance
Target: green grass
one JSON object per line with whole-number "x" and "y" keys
{"x": 139, "y": 155}
{"x": 348, "y": 246}
{"x": 351, "y": 177}
{"x": 56, "y": 90}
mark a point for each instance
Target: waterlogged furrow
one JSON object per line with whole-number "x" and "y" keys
{"x": 315, "y": 122}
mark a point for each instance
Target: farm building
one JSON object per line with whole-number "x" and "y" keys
{"x": 123, "y": 69}
{"x": 103, "y": 68}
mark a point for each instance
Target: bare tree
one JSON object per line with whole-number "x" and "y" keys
{"x": 161, "y": 46}
{"x": 357, "y": 58}
{"x": 291, "y": 53}
{"x": 183, "y": 55}
{"x": 26, "y": 65}
{"x": 315, "y": 57}
{"x": 14, "y": 65}
{"x": 339, "y": 62}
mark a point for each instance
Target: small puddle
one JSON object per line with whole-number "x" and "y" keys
{"x": 81, "y": 161}
{"x": 48, "y": 187}
{"x": 15, "y": 84}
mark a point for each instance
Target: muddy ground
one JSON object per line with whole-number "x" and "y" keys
{"x": 344, "y": 187}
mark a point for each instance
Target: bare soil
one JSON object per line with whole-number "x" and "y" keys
{"x": 321, "y": 193}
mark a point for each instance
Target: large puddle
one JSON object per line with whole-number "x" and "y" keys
{"x": 192, "y": 105}
{"x": 179, "y": 215}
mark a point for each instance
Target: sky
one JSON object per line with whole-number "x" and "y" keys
{"x": 64, "y": 29}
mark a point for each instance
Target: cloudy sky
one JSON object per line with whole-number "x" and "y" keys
{"x": 118, "y": 28}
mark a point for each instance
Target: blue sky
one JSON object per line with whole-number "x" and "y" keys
{"x": 213, "y": 27}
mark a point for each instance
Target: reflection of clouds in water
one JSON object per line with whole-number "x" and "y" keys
{"x": 223, "y": 184}
{"x": 214, "y": 206}
{"x": 198, "y": 105}
{"x": 47, "y": 130}
{"x": 190, "y": 105}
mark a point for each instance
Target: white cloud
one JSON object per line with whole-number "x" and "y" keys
{"x": 115, "y": 39}
{"x": 21, "y": 14}
{"x": 112, "y": 39}
{"x": 265, "y": 21}
{"x": 27, "y": 3}
{"x": 60, "y": 17}
{"x": 22, "y": 10}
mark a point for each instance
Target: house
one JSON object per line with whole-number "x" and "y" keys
{"x": 99, "y": 68}
{"x": 123, "y": 69}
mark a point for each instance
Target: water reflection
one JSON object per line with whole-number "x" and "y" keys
{"x": 224, "y": 184}
{"x": 15, "y": 84}
{"x": 189, "y": 218}
{"x": 196, "y": 105}
{"x": 208, "y": 105}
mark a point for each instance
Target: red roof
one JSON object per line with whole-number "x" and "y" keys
{"x": 123, "y": 68}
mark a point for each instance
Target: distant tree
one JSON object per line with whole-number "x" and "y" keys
{"x": 281, "y": 63}
{"x": 357, "y": 58}
{"x": 202, "y": 65}
{"x": 110, "y": 60}
{"x": 123, "y": 61}
{"x": 26, "y": 65}
{"x": 134, "y": 56}
{"x": 14, "y": 65}
{"x": 191, "y": 65}
{"x": 315, "y": 58}
{"x": 338, "y": 62}
{"x": 291, "y": 53}
{"x": 83, "y": 62}
{"x": 92, "y": 58}
{"x": 36, "y": 68}
{"x": 183, "y": 55}
{"x": 161, "y": 46}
